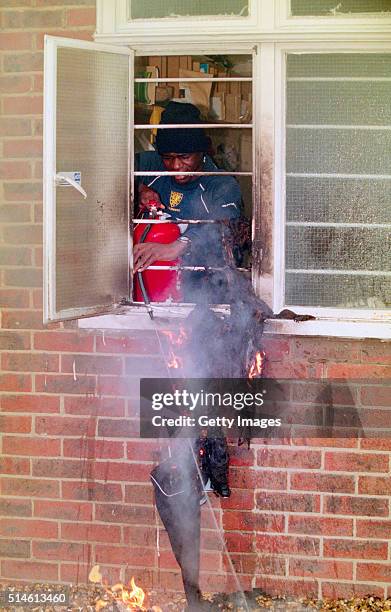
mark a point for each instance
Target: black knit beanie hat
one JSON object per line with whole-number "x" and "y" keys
{"x": 181, "y": 140}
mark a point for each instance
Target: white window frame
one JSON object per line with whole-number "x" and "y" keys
{"x": 113, "y": 18}
{"x": 340, "y": 314}
{"x": 276, "y": 33}
{"x": 52, "y": 44}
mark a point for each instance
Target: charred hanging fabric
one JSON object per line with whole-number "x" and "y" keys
{"x": 177, "y": 493}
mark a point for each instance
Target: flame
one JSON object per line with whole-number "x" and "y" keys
{"x": 132, "y": 597}
{"x": 176, "y": 339}
{"x": 175, "y": 362}
{"x": 258, "y": 365}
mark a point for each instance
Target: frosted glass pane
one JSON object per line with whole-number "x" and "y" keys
{"x": 339, "y": 103}
{"x": 338, "y": 248}
{"x": 338, "y": 151}
{"x": 321, "y": 65}
{"x": 338, "y": 130}
{"x": 338, "y": 291}
{"x": 329, "y": 7}
{"x": 142, "y": 9}
{"x": 323, "y": 199}
{"x": 92, "y": 128}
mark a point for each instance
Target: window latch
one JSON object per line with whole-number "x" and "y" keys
{"x": 65, "y": 180}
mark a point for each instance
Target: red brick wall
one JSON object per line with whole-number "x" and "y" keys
{"x": 311, "y": 517}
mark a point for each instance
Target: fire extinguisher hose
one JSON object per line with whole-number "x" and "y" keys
{"x": 140, "y": 277}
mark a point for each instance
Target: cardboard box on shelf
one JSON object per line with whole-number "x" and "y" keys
{"x": 246, "y": 89}
{"x": 232, "y": 108}
{"x": 183, "y": 61}
{"x": 197, "y": 93}
{"x": 173, "y": 71}
{"x": 246, "y": 152}
{"x": 235, "y": 88}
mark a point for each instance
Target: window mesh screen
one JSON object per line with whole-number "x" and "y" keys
{"x": 338, "y": 184}
{"x": 92, "y": 129}
{"x": 139, "y": 9}
{"x": 333, "y": 7}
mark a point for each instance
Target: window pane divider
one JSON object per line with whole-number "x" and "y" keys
{"x": 167, "y": 126}
{"x": 177, "y": 221}
{"x": 195, "y": 268}
{"x": 162, "y": 173}
{"x": 340, "y": 272}
{"x": 333, "y": 79}
{"x": 185, "y": 79}
{"x": 325, "y": 126}
{"x": 381, "y": 177}
{"x": 336, "y": 224}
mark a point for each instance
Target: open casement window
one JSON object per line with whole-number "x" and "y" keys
{"x": 96, "y": 117}
{"x": 86, "y": 176}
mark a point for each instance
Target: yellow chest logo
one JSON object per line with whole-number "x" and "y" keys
{"x": 175, "y": 199}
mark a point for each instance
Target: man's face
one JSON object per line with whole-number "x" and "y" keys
{"x": 183, "y": 162}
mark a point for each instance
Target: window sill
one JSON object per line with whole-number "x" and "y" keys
{"x": 167, "y": 317}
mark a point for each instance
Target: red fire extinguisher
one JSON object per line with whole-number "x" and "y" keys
{"x": 157, "y": 285}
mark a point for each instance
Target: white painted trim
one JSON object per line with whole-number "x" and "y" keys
{"x": 49, "y": 171}
{"x": 337, "y": 225}
{"x": 137, "y": 317}
{"x": 167, "y": 173}
{"x": 52, "y": 43}
{"x": 338, "y": 272}
{"x": 200, "y": 44}
{"x": 186, "y": 126}
{"x": 279, "y": 182}
{"x": 268, "y": 20}
{"x": 330, "y": 328}
{"x": 313, "y": 126}
{"x": 75, "y": 43}
{"x": 376, "y": 177}
{"x": 256, "y": 141}
{"x": 131, "y": 185}
{"x": 194, "y": 80}
{"x": 167, "y": 317}
{"x": 344, "y": 314}
{"x": 339, "y": 79}
{"x": 342, "y": 44}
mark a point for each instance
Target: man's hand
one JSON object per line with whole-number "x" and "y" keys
{"x": 148, "y": 198}
{"x": 146, "y": 253}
